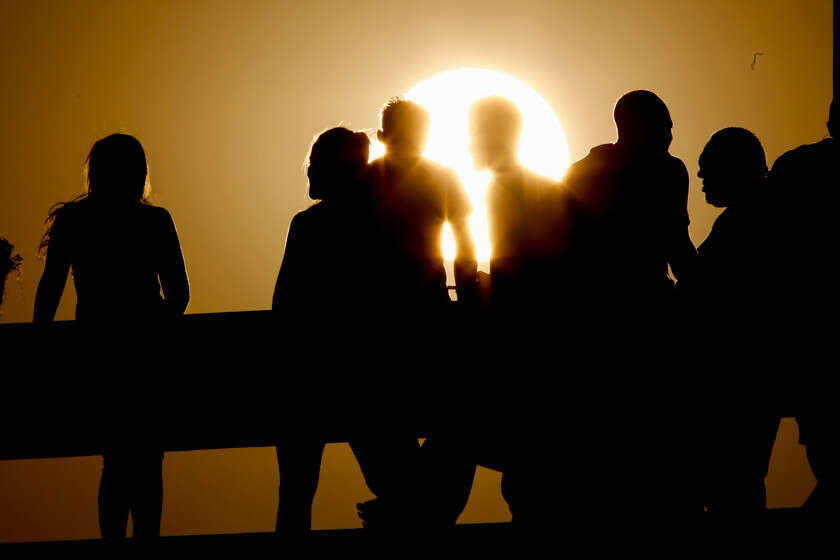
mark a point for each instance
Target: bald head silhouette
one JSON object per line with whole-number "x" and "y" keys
{"x": 495, "y": 130}
{"x": 643, "y": 122}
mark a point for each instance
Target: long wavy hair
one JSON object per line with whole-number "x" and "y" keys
{"x": 115, "y": 172}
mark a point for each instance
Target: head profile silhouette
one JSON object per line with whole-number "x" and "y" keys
{"x": 495, "y": 129}
{"x": 733, "y": 166}
{"x": 116, "y": 169}
{"x": 643, "y": 122}
{"x": 115, "y": 173}
{"x": 832, "y": 119}
{"x": 336, "y": 159}
{"x": 403, "y": 128}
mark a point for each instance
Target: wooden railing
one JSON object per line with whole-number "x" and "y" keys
{"x": 218, "y": 380}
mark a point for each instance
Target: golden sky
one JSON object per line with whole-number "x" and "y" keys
{"x": 226, "y": 96}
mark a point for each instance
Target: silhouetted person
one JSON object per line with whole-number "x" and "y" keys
{"x": 525, "y": 211}
{"x": 410, "y": 199}
{"x": 130, "y": 278}
{"x": 631, "y": 198}
{"x": 323, "y": 296}
{"x": 630, "y": 226}
{"x": 316, "y": 293}
{"x": 804, "y": 182}
{"x": 328, "y": 237}
{"x": 527, "y": 219}
{"x": 734, "y": 297}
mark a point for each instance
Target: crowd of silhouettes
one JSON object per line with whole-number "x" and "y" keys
{"x": 594, "y": 281}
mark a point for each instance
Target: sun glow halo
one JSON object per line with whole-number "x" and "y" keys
{"x": 447, "y": 96}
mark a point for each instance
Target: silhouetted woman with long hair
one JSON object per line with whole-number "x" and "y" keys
{"x": 317, "y": 284}
{"x": 130, "y": 278}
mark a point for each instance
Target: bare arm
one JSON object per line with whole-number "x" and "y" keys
{"x": 173, "y": 270}
{"x": 466, "y": 266}
{"x": 288, "y": 279}
{"x": 683, "y": 255}
{"x": 458, "y": 209}
{"x": 54, "y": 278}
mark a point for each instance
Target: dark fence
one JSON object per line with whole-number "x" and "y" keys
{"x": 245, "y": 379}
{"x": 218, "y": 380}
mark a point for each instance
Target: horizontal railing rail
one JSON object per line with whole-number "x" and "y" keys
{"x": 204, "y": 381}
{"x": 228, "y": 380}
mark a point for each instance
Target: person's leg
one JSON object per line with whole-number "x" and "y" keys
{"x": 113, "y": 496}
{"x": 449, "y": 462}
{"x": 146, "y": 493}
{"x": 765, "y": 427}
{"x": 667, "y": 459}
{"x": 743, "y": 457}
{"x": 299, "y": 462}
{"x": 390, "y": 463}
{"x": 819, "y": 440}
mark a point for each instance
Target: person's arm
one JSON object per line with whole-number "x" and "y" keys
{"x": 173, "y": 271}
{"x": 54, "y": 278}
{"x": 466, "y": 265}
{"x": 286, "y": 289}
{"x": 682, "y": 255}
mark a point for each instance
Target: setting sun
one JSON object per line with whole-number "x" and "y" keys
{"x": 447, "y": 96}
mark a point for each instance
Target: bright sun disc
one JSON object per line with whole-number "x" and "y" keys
{"x": 447, "y": 96}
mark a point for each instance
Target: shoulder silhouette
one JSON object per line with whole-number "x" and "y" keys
{"x": 803, "y": 181}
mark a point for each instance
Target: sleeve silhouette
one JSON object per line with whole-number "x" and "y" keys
{"x": 56, "y": 269}
{"x": 173, "y": 271}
